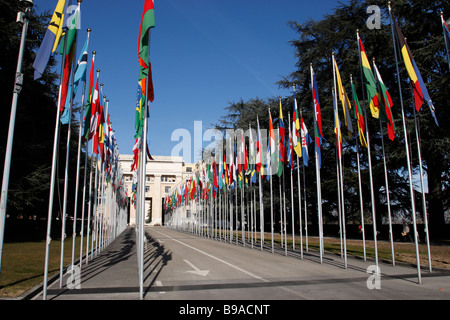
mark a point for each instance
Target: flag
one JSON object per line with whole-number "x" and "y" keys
{"x": 51, "y": 39}
{"x": 241, "y": 161}
{"x": 282, "y": 148}
{"x": 345, "y": 101}
{"x": 370, "y": 84}
{"x": 388, "y": 104}
{"x": 289, "y": 152}
{"x": 80, "y": 75}
{"x": 318, "y": 141}
{"x": 88, "y": 114}
{"x": 99, "y": 137}
{"x": 359, "y": 117}
{"x": 95, "y": 115}
{"x": 81, "y": 70}
{"x": 337, "y": 127}
{"x": 220, "y": 176}
{"x": 225, "y": 169}
{"x": 318, "y": 119}
{"x": 71, "y": 42}
{"x": 418, "y": 85}
{"x": 306, "y": 140}
{"x": 145, "y": 72}
{"x": 252, "y": 158}
{"x": 272, "y": 149}
{"x": 282, "y": 131}
{"x": 258, "y": 148}
{"x": 216, "y": 185}
{"x": 231, "y": 158}
{"x": 316, "y": 101}
{"x": 140, "y": 103}
{"x": 296, "y": 139}
{"x": 147, "y": 22}
{"x": 235, "y": 159}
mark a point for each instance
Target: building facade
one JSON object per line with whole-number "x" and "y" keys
{"x": 162, "y": 174}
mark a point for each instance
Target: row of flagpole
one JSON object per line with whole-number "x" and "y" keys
{"x": 107, "y": 222}
{"x": 381, "y": 99}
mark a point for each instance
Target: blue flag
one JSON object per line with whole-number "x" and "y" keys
{"x": 80, "y": 76}
{"x": 51, "y": 39}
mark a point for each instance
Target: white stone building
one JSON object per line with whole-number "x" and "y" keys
{"x": 163, "y": 173}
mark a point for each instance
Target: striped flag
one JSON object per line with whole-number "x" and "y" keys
{"x": 318, "y": 119}
{"x": 420, "y": 90}
{"x": 51, "y": 40}
{"x": 88, "y": 114}
{"x": 296, "y": 139}
{"x": 388, "y": 104}
{"x": 306, "y": 140}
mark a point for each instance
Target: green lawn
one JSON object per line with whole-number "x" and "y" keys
{"x": 23, "y": 264}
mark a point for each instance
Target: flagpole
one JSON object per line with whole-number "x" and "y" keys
{"x": 424, "y": 202}
{"x": 298, "y": 176}
{"x": 411, "y": 187}
{"x": 304, "y": 188}
{"x": 53, "y": 174}
{"x": 319, "y": 194}
{"x": 391, "y": 235}
{"x": 95, "y": 210}
{"x": 378, "y": 79}
{"x": 66, "y": 173}
{"x": 83, "y": 205}
{"x": 291, "y": 150}
{"x": 370, "y": 164}
{"x": 340, "y": 173}
{"x": 284, "y": 211}
{"x": 281, "y": 214}
{"x": 99, "y": 189}
{"x": 269, "y": 165}
{"x": 358, "y": 160}
{"x": 8, "y": 154}
{"x": 84, "y": 195}
{"x": 284, "y": 202}
{"x": 78, "y": 161}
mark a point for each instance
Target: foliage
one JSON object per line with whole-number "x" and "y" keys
{"x": 34, "y": 129}
{"x": 336, "y": 32}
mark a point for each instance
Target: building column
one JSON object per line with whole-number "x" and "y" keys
{"x": 156, "y": 202}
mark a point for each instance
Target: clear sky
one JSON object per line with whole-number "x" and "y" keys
{"x": 204, "y": 53}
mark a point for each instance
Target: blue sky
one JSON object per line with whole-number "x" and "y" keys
{"x": 204, "y": 53}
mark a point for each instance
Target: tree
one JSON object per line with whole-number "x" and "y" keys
{"x": 35, "y": 119}
{"x": 336, "y": 32}
{"x": 420, "y": 22}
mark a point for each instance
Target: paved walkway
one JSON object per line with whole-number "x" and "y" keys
{"x": 181, "y": 266}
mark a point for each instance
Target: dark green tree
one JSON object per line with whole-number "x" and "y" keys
{"x": 336, "y": 32}
{"x": 420, "y": 22}
{"x": 35, "y": 121}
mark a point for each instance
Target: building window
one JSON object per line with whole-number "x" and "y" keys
{"x": 147, "y": 189}
{"x": 188, "y": 169}
{"x": 167, "y": 189}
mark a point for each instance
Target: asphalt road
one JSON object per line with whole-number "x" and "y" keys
{"x": 180, "y": 266}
